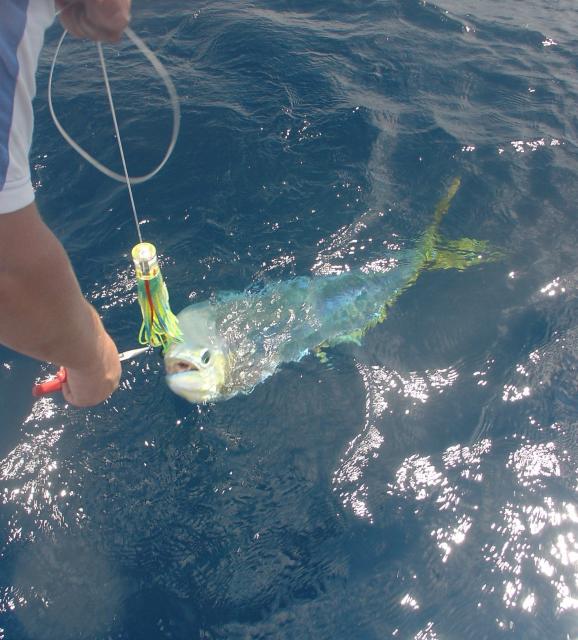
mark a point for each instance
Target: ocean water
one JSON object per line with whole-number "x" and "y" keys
{"x": 422, "y": 485}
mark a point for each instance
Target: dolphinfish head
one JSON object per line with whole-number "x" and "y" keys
{"x": 197, "y": 367}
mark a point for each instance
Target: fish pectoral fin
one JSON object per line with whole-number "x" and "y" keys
{"x": 321, "y": 353}
{"x": 463, "y": 253}
{"x": 349, "y": 338}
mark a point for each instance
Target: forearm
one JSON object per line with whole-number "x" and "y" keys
{"x": 42, "y": 311}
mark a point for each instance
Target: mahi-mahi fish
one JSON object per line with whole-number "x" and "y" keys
{"x": 235, "y": 340}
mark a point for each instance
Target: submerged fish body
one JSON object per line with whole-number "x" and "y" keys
{"x": 236, "y": 340}
{"x": 256, "y": 331}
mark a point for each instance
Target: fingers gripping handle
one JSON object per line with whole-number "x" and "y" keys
{"x": 50, "y": 386}
{"x": 55, "y": 384}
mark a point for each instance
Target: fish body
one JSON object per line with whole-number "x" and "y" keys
{"x": 253, "y": 332}
{"x": 235, "y": 340}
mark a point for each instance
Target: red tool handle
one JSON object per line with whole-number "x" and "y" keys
{"x": 50, "y": 386}
{"x": 55, "y": 384}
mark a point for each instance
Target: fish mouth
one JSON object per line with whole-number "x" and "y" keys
{"x": 178, "y": 365}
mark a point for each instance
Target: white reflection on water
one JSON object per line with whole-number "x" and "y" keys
{"x": 486, "y": 506}
{"x": 380, "y": 384}
{"x": 28, "y": 475}
{"x": 553, "y": 288}
{"x": 512, "y": 393}
{"x": 521, "y": 146}
{"x": 279, "y": 263}
{"x": 409, "y": 601}
{"x": 532, "y": 462}
{"x": 29, "y": 467}
{"x": 417, "y": 479}
{"x": 523, "y": 542}
{"x": 537, "y": 537}
{"x": 343, "y": 244}
{"x": 427, "y": 633}
{"x": 60, "y": 586}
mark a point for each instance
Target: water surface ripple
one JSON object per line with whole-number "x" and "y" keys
{"x": 422, "y": 485}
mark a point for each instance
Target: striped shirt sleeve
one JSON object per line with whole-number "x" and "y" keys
{"x": 22, "y": 26}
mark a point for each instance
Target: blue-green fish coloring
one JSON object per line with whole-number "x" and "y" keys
{"x": 234, "y": 341}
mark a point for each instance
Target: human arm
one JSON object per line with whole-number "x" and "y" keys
{"x": 43, "y": 313}
{"x": 95, "y": 19}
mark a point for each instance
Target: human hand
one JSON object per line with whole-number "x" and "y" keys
{"x": 100, "y": 20}
{"x": 94, "y": 384}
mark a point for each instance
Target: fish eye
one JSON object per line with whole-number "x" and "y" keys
{"x": 205, "y": 356}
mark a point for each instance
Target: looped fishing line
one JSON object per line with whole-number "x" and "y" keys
{"x": 159, "y": 68}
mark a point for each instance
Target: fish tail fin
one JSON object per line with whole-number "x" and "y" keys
{"x": 438, "y": 253}
{"x": 434, "y": 252}
{"x": 463, "y": 253}
{"x": 427, "y": 251}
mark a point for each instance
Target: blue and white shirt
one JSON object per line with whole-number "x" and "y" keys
{"x": 22, "y": 26}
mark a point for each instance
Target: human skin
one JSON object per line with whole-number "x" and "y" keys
{"x": 95, "y": 19}
{"x": 43, "y": 313}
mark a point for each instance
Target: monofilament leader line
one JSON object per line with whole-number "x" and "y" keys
{"x": 160, "y": 325}
{"x": 119, "y": 140}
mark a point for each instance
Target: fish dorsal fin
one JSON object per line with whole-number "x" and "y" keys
{"x": 430, "y": 238}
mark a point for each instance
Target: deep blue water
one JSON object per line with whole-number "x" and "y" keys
{"x": 423, "y": 485}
